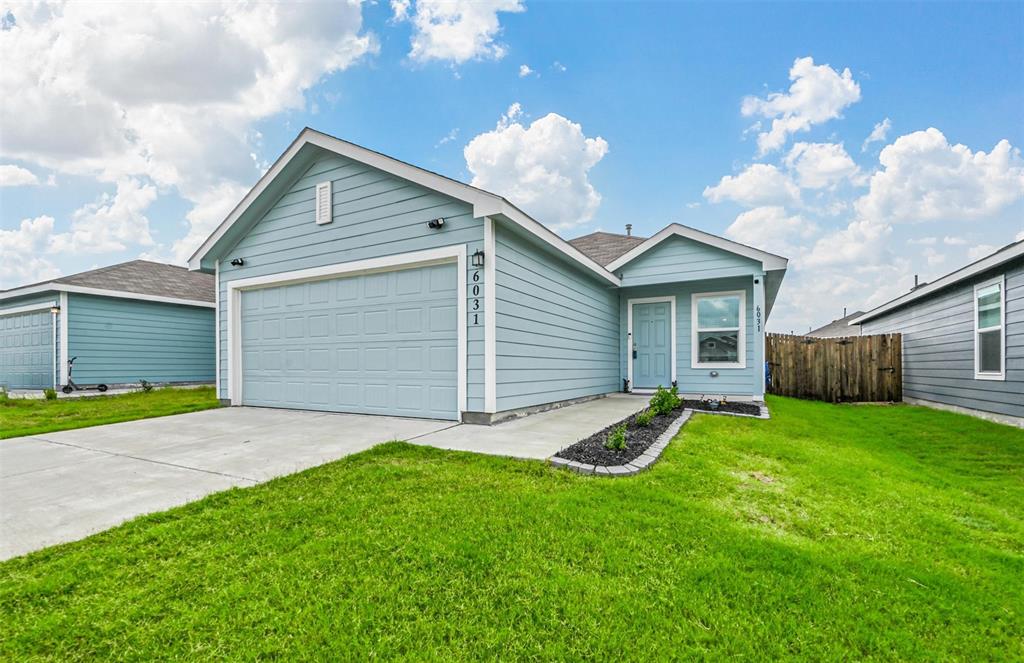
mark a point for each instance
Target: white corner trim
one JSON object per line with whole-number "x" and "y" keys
{"x": 490, "y": 319}
{"x": 999, "y": 257}
{"x": 28, "y": 308}
{"x": 53, "y": 345}
{"x": 741, "y": 340}
{"x": 769, "y": 261}
{"x": 411, "y": 260}
{"x": 216, "y": 327}
{"x": 629, "y": 333}
{"x": 978, "y": 374}
{"x": 101, "y": 292}
{"x": 65, "y": 315}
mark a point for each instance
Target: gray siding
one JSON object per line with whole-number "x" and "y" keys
{"x": 375, "y": 214}
{"x": 745, "y": 381}
{"x": 682, "y": 259}
{"x": 125, "y": 340}
{"x": 557, "y": 327}
{"x": 938, "y": 347}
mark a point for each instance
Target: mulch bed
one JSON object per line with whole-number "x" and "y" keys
{"x": 735, "y": 408}
{"x": 591, "y": 450}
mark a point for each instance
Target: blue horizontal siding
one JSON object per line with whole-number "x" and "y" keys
{"x": 556, "y": 326}
{"x": 374, "y": 214}
{"x": 126, "y": 340}
{"x": 730, "y": 381}
{"x": 681, "y": 259}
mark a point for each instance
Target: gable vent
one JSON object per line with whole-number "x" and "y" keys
{"x": 324, "y": 212}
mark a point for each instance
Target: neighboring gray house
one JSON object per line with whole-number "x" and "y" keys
{"x": 134, "y": 321}
{"x": 350, "y": 281}
{"x": 963, "y": 337}
{"x": 838, "y": 328}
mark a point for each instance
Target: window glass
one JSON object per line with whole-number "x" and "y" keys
{"x": 717, "y": 312}
{"x": 989, "y": 307}
{"x": 718, "y": 347}
{"x": 990, "y": 351}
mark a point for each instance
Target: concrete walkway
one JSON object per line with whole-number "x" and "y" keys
{"x": 59, "y": 487}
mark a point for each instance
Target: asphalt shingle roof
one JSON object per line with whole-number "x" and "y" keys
{"x": 145, "y": 278}
{"x": 603, "y": 248}
{"x": 838, "y": 328}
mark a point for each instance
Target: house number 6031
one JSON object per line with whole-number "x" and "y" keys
{"x": 474, "y": 304}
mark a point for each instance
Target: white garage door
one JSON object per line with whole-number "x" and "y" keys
{"x": 383, "y": 343}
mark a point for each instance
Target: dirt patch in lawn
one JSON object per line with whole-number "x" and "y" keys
{"x": 591, "y": 450}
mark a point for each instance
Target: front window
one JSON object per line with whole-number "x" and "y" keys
{"x": 988, "y": 330}
{"x": 718, "y": 330}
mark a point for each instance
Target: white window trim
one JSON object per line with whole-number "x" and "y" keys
{"x": 741, "y": 340}
{"x": 629, "y": 333}
{"x": 978, "y": 374}
{"x": 391, "y": 263}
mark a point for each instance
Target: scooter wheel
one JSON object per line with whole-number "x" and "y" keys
{"x": 101, "y": 387}
{"x": 67, "y": 389}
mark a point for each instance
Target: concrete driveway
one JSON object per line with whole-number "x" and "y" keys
{"x": 60, "y": 487}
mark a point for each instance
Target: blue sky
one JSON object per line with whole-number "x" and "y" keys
{"x": 141, "y": 148}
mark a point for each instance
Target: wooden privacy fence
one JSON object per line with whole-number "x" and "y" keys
{"x": 853, "y": 368}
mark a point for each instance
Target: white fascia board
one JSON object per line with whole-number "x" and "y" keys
{"x": 27, "y": 308}
{"x": 769, "y": 261}
{"x": 484, "y": 203}
{"x": 102, "y": 292}
{"x": 1012, "y": 251}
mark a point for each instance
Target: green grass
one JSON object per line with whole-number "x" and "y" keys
{"x": 828, "y": 532}
{"x": 21, "y": 416}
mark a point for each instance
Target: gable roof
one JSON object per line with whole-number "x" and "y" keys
{"x": 605, "y": 247}
{"x": 838, "y": 328}
{"x": 770, "y": 261}
{"x": 136, "y": 279}
{"x": 991, "y": 261}
{"x": 484, "y": 203}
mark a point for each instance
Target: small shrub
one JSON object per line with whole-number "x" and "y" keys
{"x": 3, "y": 396}
{"x": 616, "y": 440}
{"x": 51, "y": 394}
{"x": 664, "y": 401}
{"x": 146, "y": 386}
{"x": 645, "y": 417}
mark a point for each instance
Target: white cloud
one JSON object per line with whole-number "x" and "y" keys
{"x": 544, "y": 168}
{"x": 164, "y": 92}
{"x": 21, "y": 253}
{"x": 819, "y": 93}
{"x": 111, "y": 224}
{"x": 455, "y": 30}
{"x": 820, "y": 165}
{"x": 558, "y": 66}
{"x": 1019, "y": 236}
{"x": 11, "y": 175}
{"x": 980, "y": 251}
{"x": 923, "y": 241}
{"x": 924, "y": 178}
{"x": 861, "y": 242}
{"x": 933, "y": 257}
{"x": 760, "y": 184}
{"x": 449, "y": 137}
{"x": 953, "y": 241}
{"x": 211, "y": 208}
{"x": 524, "y": 70}
{"x": 771, "y": 229}
{"x": 878, "y": 134}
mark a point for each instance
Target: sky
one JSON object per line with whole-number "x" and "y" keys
{"x": 866, "y": 142}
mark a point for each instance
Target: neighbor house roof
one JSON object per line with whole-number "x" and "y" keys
{"x": 604, "y": 247}
{"x": 991, "y": 261}
{"x": 769, "y": 261}
{"x": 838, "y": 328}
{"x": 136, "y": 279}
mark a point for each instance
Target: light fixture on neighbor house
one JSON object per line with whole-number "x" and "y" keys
{"x": 436, "y": 224}
{"x": 55, "y": 310}
{"x": 237, "y": 262}
{"x": 478, "y": 258}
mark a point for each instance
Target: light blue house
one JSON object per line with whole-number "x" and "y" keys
{"x": 135, "y": 321}
{"x": 353, "y": 282}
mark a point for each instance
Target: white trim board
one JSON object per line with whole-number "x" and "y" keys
{"x": 769, "y": 261}
{"x": 741, "y": 340}
{"x": 978, "y": 374}
{"x": 101, "y": 292}
{"x": 65, "y": 315}
{"x": 484, "y": 203}
{"x": 411, "y": 260}
{"x": 490, "y": 319}
{"x": 216, "y": 327}
{"x": 28, "y": 308}
{"x": 629, "y": 333}
{"x": 1001, "y": 256}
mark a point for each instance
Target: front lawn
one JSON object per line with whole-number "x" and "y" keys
{"x": 828, "y": 532}
{"x": 22, "y": 416}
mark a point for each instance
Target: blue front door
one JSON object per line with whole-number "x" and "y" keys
{"x": 652, "y": 346}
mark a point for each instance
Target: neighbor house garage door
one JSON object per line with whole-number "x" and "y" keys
{"x": 383, "y": 343}
{"x": 26, "y": 350}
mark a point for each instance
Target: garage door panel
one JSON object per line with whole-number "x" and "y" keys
{"x": 379, "y": 343}
{"x": 26, "y": 350}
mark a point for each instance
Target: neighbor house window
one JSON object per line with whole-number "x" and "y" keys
{"x": 989, "y": 336}
{"x": 719, "y": 326}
